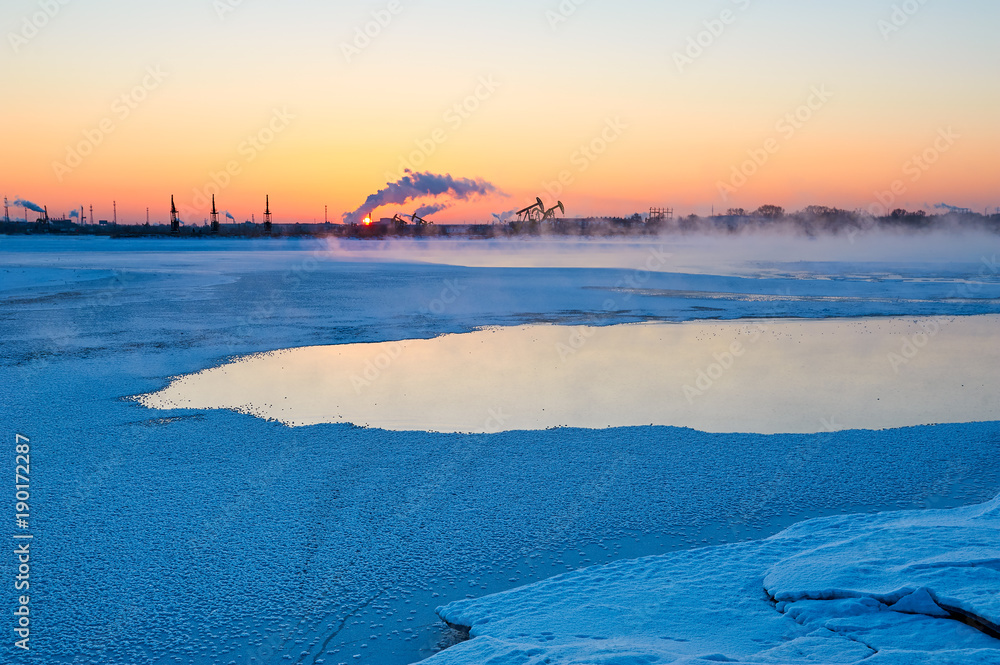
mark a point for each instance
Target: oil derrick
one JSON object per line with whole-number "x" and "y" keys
{"x": 267, "y": 216}
{"x": 215, "y": 218}
{"x": 175, "y": 220}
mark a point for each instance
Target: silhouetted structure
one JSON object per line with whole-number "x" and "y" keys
{"x": 215, "y": 218}
{"x": 175, "y": 222}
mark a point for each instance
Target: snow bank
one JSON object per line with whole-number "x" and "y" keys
{"x": 883, "y": 589}
{"x": 763, "y": 377}
{"x": 936, "y": 563}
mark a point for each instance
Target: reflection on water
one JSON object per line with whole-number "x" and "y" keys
{"x": 765, "y": 377}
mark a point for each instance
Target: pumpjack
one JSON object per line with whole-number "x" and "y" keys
{"x": 551, "y": 212}
{"x": 532, "y": 213}
{"x": 398, "y": 222}
{"x": 418, "y": 220}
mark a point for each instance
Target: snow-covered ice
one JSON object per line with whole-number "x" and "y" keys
{"x": 213, "y": 537}
{"x": 901, "y": 588}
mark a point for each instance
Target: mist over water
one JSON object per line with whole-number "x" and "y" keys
{"x": 704, "y": 253}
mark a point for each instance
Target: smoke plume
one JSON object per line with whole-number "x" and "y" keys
{"x": 949, "y": 208}
{"x": 29, "y": 205}
{"x": 504, "y": 217}
{"x": 229, "y": 216}
{"x": 417, "y": 185}
{"x": 423, "y": 211}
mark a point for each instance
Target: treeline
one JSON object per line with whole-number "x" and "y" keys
{"x": 823, "y": 220}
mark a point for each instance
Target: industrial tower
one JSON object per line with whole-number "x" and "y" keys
{"x": 6, "y": 211}
{"x": 175, "y": 221}
{"x": 215, "y": 218}
{"x": 660, "y": 215}
{"x": 267, "y": 216}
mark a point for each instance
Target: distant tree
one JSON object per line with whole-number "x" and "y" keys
{"x": 918, "y": 218}
{"x": 770, "y": 212}
{"x": 736, "y": 212}
{"x": 823, "y": 211}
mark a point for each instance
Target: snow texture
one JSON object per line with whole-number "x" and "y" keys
{"x": 902, "y": 587}
{"x": 212, "y": 537}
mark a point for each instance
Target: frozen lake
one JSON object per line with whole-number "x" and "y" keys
{"x": 196, "y": 534}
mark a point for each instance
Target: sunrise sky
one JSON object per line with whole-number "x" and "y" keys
{"x": 335, "y": 118}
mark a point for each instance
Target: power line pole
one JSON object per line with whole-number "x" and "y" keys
{"x": 114, "y": 204}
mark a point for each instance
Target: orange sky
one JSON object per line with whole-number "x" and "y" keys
{"x": 163, "y": 100}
